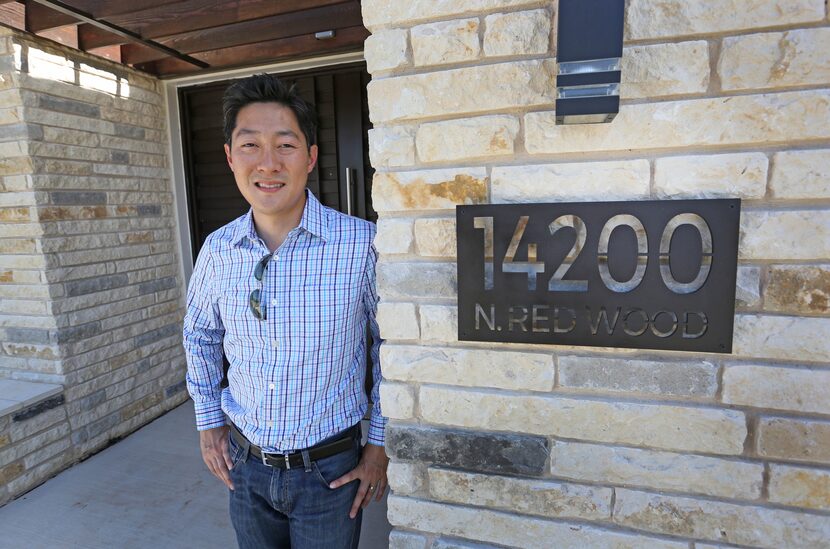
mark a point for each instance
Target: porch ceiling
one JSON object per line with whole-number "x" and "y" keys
{"x": 167, "y": 38}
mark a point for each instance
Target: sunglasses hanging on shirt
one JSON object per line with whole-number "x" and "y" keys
{"x": 255, "y": 299}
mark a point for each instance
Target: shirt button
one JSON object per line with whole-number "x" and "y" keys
{"x": 275, "y": 344}
{"x": 276, "y": 257}
{"x": 271, "y": 386}
{"x": 274, "y": 302}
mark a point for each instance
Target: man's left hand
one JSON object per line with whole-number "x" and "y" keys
{"x": 371, "y": 471}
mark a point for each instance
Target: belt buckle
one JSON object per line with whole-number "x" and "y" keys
{"x": 285, "y": 457}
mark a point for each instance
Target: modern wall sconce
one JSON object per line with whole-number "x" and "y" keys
{"x": 589, "y": 50}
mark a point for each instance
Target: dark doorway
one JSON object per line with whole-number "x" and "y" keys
{"x": 341, "y": 180}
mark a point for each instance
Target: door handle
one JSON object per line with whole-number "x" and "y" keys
{"x": 349, "y": 191}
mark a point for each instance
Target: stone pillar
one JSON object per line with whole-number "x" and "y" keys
{"x": 91, "y": 295}
{"x": 549, "y": 446}
{"x": 30, "y": 349}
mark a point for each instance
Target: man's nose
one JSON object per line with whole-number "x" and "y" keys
{"x": 269, "y": 160}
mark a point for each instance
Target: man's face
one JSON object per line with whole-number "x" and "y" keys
{"x": 270, "y": 161}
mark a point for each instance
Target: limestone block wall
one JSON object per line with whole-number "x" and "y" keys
{"x": 24, "y": 289}
{"x": 90, "y": 291}
{"x": 545, "y": 446}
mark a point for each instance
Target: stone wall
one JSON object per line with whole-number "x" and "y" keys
{"x": 90, "y": 290}
{"x": 544, "y": 446}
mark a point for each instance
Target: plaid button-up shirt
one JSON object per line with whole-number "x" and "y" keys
{"x": 297, "y": 377}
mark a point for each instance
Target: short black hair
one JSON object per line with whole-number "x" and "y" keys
{"x": 266, "y": 88}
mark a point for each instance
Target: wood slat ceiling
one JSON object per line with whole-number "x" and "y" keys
{"x": 221, "y": 33}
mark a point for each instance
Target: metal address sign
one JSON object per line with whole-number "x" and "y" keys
{"x": 646, "y": 275}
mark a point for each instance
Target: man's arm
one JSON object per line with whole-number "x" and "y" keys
{"x": 377, "y": 422}
{"x": 371, "y": 470}
{"x": 203, "y": 333}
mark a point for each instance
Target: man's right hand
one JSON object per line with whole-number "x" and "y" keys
{"x": 215, "y": 453}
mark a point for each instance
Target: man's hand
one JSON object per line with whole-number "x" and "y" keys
{"x": 371, "y": 470}
{"x": 214, "y": 446}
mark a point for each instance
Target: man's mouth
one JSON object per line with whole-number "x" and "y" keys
{"x": 269, "y": 185}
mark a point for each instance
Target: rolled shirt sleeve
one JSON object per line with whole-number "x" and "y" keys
{"x": 377, "y": 422}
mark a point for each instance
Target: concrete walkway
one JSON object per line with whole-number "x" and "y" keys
{"x": 151, "y": 490}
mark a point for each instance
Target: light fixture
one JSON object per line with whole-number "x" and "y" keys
{"x": 588, "y": 51}
{"x": 324, "y": 35}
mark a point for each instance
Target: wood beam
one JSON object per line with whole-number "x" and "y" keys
{"x": 13, "y": 14}
{"x": 138, "y": 50}
{"x": 66, "y": 35}
{"x": 113, "y": 53}
{"x": 173, "y": 17}
{"x": 106, "y": 8}
{"x": 46, "y": 18}
{"x": 40, "y": 18}
{"x": 193, "y": 15}
{"x": 283, "y": 49}
{"x": 91, "y": 37}
{"x": 58, "y": 5}
{"x": 294, "y": 24}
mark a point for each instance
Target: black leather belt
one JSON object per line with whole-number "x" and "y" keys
{"x": 295, "y": 459}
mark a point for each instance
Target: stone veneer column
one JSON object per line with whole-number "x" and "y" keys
{"x": 28, "y": 348}
{"x": 535, "y": 446}
{"x": 90, "y": 291}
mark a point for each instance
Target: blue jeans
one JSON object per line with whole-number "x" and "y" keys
{"x": 275, "y": 508}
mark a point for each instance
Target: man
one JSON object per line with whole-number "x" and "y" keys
{"x": 287, "y": 290}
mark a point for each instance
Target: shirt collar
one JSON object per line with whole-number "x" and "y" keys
{"x": 314, "y": 218}
{"x": 314, "y": 221}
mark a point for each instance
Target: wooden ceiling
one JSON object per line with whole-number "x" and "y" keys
{"x": 175, "y": 37}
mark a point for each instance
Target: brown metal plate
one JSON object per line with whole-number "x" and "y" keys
{"x": 644, "y": 275}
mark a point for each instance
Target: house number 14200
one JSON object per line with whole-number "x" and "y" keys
{"x": 557, "y": 283}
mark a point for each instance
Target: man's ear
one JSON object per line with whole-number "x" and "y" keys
{"x": 228, "y": 156}
{"x": 312, "y": 157}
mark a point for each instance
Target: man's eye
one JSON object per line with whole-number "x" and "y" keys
{"x": 248, "y": 145}
{"x": 286, "y": 146}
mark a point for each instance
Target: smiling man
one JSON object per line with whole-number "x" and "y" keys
{"x": 286, "y": 291}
